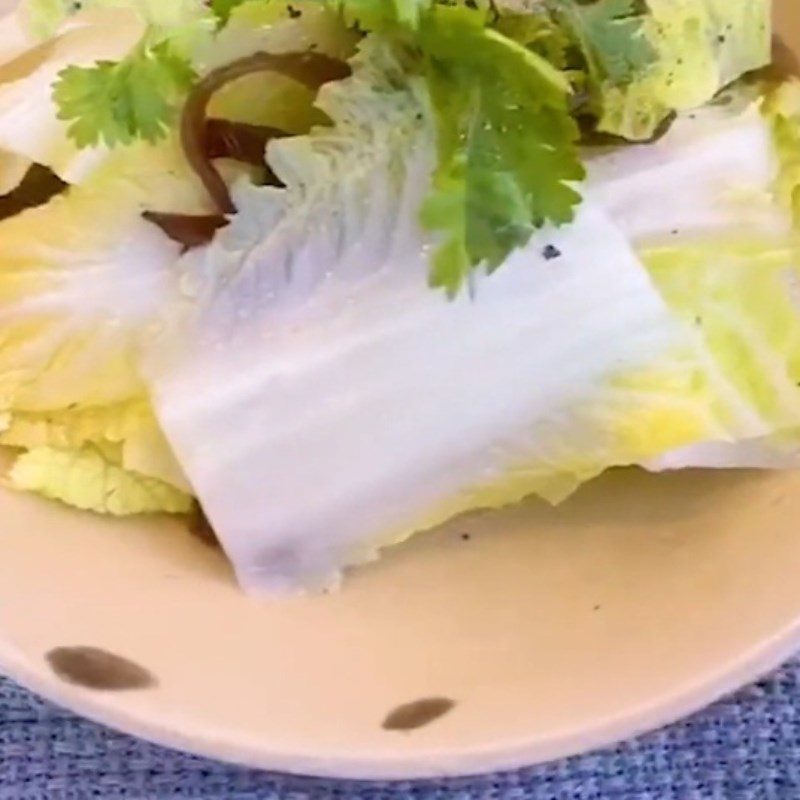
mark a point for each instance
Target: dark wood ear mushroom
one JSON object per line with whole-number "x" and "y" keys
{"x": 39, "y": 186}
{"x": 205, "y": 140}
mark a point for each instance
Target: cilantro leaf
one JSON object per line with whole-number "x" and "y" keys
{"x": 117, "y": 102}
{"x": 222, "y": 9}
{"x": 384, "y": 15}
{"x": 507, "y": 153}
{"x": 611, "y": 36}
{"x": 539, "y": 32}
{"x": 409, "y": 12}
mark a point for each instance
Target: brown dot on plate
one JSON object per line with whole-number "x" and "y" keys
{"x": 94, "y": 668}
{"x": 411, "y": 716}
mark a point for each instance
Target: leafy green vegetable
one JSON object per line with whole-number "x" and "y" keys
{"x": 724, "y": 260}
{"x": 507, "y": 155}
{"x": 701, "y": 46}
{"x": 89, "y": 479}
{"x": 76, "y": 426}
{"x": 611, "y": 36}
{"x": 539, "y": 31}
{"x": 737, "y": 296}
{"x": 117, "y": 103}
{"x": 383, "y": 408}
{"x": 567, "y": 368}
{"x": 128, "y": 431}
{"x": 729, "y": 145}
{"x": 385, "y": 15}
{"x": 29, "y": 126}
{"x": 409, "y": 12}
{"x": 782, "y": 108}
{"x": 80, "y": 276}
{"x": 581, "y": 354}
{"x": 79, "y": 279}
{"x": 224, "y": 8}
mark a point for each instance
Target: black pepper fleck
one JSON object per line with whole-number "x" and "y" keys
{"x": 550, "y": 252}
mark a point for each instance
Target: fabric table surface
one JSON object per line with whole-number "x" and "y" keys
{"x": 746, "y": 747}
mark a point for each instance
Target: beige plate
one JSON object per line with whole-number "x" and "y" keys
{"x": 544, "y": 633}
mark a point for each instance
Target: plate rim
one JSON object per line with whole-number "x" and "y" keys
{"x": 221, "y": 746}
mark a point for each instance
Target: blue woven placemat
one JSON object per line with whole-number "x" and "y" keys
{"x": 744, "y": 748}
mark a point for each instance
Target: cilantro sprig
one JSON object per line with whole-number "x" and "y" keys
{"x": 385, "y": 15}
{"x": 117, "y": 103}
{"x": 223, "y": 9}
{"x": 610, "y": 35}
{"x": 508, "y": 159}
